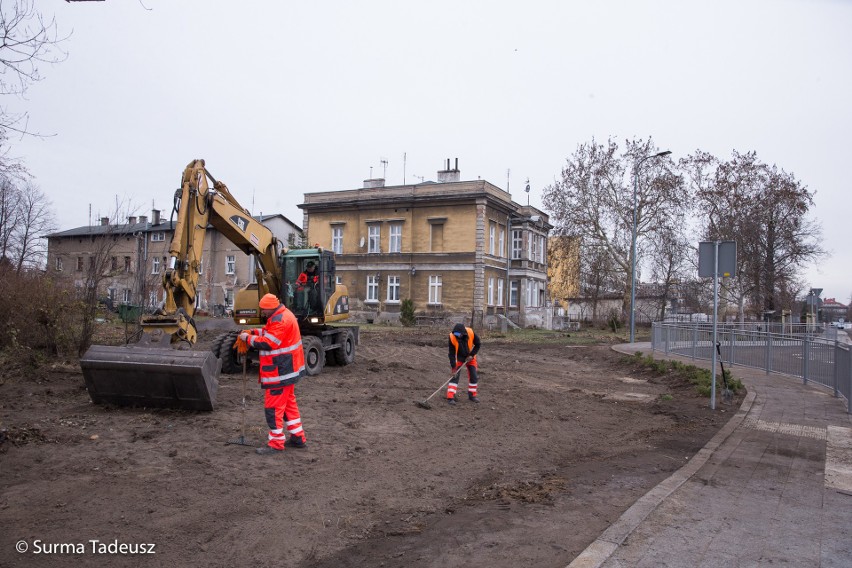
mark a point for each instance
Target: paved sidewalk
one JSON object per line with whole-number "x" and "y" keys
{"x": 773, "y": 487}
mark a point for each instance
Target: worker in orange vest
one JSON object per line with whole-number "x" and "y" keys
{"x": 282, "y": 365}
{"x": 463, "y": 347}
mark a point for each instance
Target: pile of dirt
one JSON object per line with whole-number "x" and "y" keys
{"x": 565, "y": 439}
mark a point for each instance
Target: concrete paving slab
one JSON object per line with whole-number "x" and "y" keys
{"x": 773, "y": 487}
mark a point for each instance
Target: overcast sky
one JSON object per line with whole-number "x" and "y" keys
{"x": 283, "y": 98}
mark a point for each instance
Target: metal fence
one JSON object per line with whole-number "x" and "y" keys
{"x": 806, "y": 352}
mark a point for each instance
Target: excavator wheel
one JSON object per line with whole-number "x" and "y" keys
{"x": 229, "y": 356}
{"x": 314, "y": 355}
{"x": 345, "y": 354}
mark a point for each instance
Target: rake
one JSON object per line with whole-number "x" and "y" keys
{"x": 425, "y": 402}
{"x": 727, "y": 394}
{"x": 241, "y": 440}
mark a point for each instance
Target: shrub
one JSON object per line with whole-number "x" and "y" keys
{"x": 37, "y": 312}
{"x": 406, "y": 312}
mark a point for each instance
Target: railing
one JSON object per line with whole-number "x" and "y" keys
{"x": 805, "y": 353}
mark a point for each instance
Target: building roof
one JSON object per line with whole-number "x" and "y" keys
{"x": 146, "y": 227}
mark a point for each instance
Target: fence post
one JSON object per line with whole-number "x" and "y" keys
{"x": 694, "y": 339}
{"x": 668, "y": 337}
{"x": 835, "y": 353}
{"x": 732, "y": 338}
{"x": 768, "y": 353}
{"x": 806, "y": 357}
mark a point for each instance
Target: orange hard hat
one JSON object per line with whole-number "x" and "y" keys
{"x": 269, "y": 302}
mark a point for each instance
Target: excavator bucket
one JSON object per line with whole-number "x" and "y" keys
{"x": 151, "y": 377}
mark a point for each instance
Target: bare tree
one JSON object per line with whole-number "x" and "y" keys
{"x": 9, "y": 214}
{"x": 27, "y": 40}
{"x": 36, "y": 220}
{"x": 765, "y": 210}
{"x": 594, "y": 200}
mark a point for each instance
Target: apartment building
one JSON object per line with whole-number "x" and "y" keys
{"x": 460, "y": 250}
{"x": 133, "y": 256}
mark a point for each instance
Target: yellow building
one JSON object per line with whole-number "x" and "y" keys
{"x": 460, "y": 250}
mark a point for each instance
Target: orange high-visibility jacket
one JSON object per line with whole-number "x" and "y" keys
{"x": 279, "y": 343}
{"x": 472, "y": 348}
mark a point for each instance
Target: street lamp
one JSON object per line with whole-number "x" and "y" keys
{"x": 633, "y": 245}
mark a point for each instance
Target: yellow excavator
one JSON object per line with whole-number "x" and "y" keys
{"x": 161, "y": 370}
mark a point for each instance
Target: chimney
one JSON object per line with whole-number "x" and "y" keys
{"x": 143, "y": 219}
{"x": 155, "y": 216}
{"x": 371, "y": 183}
{"x": 104, "y": 221}
{"x": 449, "y": 175}
{"x": 131, "y": 220}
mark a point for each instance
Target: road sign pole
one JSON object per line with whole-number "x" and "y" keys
{"x": 715, "y": 322}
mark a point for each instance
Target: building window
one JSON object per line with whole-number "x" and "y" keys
{"x": 230, "y": 264}
{"x": 374, "y": 239}
{"x": 491, "y": 291}
{"x": 127, "y": 264}
{"x": 395, "y": 238}
{"x": 337, "y": 240}
{"x": 59, "y": 263}
{"x": 127, "y": 295}
{"x": 113, "y": 263}
{"x": 436, "y": 237}
{"x": 434, "y": 289}
{"x": 200, "y": 265}
{"x": 155, "y": 268}
{"x": 517, "y": 243}
{"x": 531, "y": 242}
{"x": 492, "y": 238}
{"x": 158, "y": 237}
{"x": 532, "y": 294}
{"x": 79, "y": 264}
{"x": 338, "y": 280}
{"x": 92, "y": 264}
{"x": 541, "y": 250}
{"x": 229, "y": 298}
{"x": 499, "y": 291}
{"x": 372, "y": 289}
{"x": 502, "y": 243}
{"x": 513, "y": 293}
{"x": 393, "y": 289}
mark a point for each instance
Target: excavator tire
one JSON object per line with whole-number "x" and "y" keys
{"x": 151, "y": 377}
{"x": 345, "y": 354}
{"x": 314, "y": 354}
{"x": 228, "y": 355}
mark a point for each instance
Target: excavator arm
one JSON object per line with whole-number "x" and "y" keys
{"x": 159, "y": 373}
{"x": 197, "y": 205}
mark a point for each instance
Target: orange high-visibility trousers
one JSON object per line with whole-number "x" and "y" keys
{"x": 282, "y": 412}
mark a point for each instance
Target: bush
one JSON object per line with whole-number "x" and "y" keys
{"x": 37, "y": 312}
{"x": 406, "y": 312}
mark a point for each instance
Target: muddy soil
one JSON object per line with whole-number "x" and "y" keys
{"x": 565, "y": 439}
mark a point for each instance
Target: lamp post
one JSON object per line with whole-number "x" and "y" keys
{"x": 633, "y": 245}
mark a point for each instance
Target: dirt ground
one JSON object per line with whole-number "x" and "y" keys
{"x": 565, "y": 439}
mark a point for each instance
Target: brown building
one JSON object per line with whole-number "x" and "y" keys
{"x": 132, "y": 257}
{"x": 460, "y": 250}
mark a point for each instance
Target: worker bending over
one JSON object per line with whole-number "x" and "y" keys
{"x": 463, "y": 347}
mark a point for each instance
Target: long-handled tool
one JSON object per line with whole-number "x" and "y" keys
{"x": 727, "y": 394}
{"x": 425, "y": 402}
{"x": 241, "y": 441}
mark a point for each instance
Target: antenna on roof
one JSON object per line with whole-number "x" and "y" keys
{"x": 403, "y": 168}
{"x": 508, "y": 172}
{"x": 384, "y": 162}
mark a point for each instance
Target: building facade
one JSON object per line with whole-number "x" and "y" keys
{"x": 460, "y": 250}
{"x": 133, "y": 256}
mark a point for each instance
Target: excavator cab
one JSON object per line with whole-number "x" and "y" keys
{"x": 310, "y": 288}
